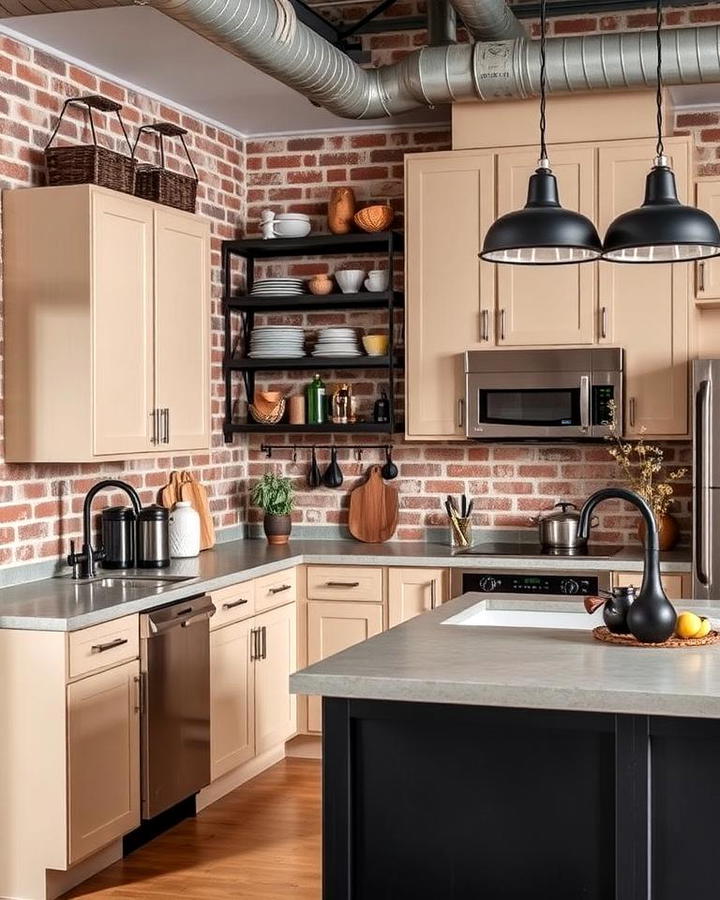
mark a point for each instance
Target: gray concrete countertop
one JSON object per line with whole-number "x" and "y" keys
{"x": 424, "y": 660}
{"x": 59, "y": 604}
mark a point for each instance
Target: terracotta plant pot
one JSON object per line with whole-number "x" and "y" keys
{"x": 668, "y": 529}
{"x": 277, "y": 529}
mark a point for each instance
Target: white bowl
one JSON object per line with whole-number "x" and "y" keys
{"x": 350, "y": 280}
{"x": 291, "y": 228}
{"x": 287, "y": 217}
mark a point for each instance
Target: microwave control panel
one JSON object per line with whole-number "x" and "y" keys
{"x": 602, "y": 395}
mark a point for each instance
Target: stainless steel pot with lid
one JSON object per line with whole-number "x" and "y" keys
{"x": 557, "y": 528}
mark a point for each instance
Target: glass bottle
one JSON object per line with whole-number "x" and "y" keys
{"x": 316, "y": 409}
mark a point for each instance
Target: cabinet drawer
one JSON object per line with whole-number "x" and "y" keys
{"x": 103, "y": 645}
{"x": 275, "y": 590}
{"x": 233, "y": 604}
{"x": 672, "y": 584}
{"x": 345, "y": 583}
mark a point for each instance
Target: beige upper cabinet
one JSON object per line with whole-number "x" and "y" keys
{"x": 414, "y": 591}
{"x": 107, "y": 351}
{"x": 449, "y": 292}
{"x": 546, "y": 305}
{"x": 103, "y": 735}
{"x": 182, "y": 320}
{"x": 275, "y": 706}
{"x": 232, "y": 697}
{"x": 332, "y": 626}
{"x": 707, "y": 274}
{"x": 645, "y": 308}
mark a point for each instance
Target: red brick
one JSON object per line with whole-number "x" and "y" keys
{"x": 377, "y": 139}
{"x": 704, "y": 15}
{"x": 575, "y": 26}
{"x": 368, "y": 173}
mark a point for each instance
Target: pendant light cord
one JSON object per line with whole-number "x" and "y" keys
{"x": 660, "y": 147}
{"x": 543, "y": 146}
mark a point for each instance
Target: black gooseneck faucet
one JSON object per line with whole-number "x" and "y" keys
{"x": 83, "y": 563}
{"x": 651, "y": 617}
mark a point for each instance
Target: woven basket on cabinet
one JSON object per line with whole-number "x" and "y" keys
{"x": 91, "y": 163}
{"x": 160, "y": 184}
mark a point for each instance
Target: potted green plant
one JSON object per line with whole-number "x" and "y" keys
{"x": 275, "y": 496}
{"x": 643, "y": 469}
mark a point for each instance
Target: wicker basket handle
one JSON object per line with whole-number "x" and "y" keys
{"x": 166, "y": 129}
{"x": 97, "y": 102}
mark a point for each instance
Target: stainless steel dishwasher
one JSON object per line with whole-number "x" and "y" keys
{"x": 175, "y": 736}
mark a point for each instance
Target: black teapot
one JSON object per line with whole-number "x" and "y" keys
{"x": 617, "y": 604}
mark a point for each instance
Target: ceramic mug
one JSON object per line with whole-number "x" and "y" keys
{"x": 350, "y": 280}
{"x": 377, "y": 280}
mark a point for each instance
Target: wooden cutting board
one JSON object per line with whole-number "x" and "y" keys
{"x": 170, "y": 494}
{"x": 195, "y": 493}
{"x": 373, "y": 509}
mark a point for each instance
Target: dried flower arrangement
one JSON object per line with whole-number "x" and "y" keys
{"x": 641, "y": 464}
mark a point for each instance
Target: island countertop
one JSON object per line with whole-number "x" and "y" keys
{"x": 426, "y": 661}
{"x": 60, "y": 604}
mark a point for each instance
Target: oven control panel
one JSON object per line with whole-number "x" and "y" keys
{"x": 504, "y": 583}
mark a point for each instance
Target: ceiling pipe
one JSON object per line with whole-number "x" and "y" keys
{"x": 488, "y": 20}
{"x": 441, "y": 23}
{"x": 265, "y": 34}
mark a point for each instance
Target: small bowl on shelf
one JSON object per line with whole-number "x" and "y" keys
{"x": 374, "y": 218}
{"x": 376, "y": 344}
{"x": 291, "y": 228}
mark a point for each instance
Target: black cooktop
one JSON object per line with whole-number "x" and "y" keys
{"x": 509, "y": 548}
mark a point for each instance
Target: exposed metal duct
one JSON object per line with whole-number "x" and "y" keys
{"x": 441, "y": 23}
{"x": 264, "y": 33}
{"x": 488, "y": 20}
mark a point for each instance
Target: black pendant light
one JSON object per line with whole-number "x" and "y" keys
{"x": 662, "y": 230}
{"x": 542, "y": 233}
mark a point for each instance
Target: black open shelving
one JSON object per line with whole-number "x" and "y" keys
{"x": 386, "y": 243}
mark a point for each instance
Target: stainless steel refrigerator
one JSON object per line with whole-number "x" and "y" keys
{"x": 706, "y": 478}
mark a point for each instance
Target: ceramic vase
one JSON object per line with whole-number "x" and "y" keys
{"x": 668, "y": 531}
{"x": 341, "y": 210}
{"x": 184, "y": 526}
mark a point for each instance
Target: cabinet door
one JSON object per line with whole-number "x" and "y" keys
{"x": 449, "y": 291}
{"x": 232, "y": 698}
{"x": 672, "y": 584}
{"x": 707, "y": 276}
{"x": 645, "y": 307}
{"x": 547, "y": 304}
{"x": 103, "y": 733}
{"x": 182, "y": 323}
{"x": 275, "y": 706}
{"x": 332, "y": 626}
{"x": 122, "y": 324}
{"x": 414, "y": 591}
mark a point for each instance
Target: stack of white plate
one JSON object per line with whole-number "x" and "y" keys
{"x": 277, "y": 287}
{"x": 337, "y": 341}
{"x": 277, "y": 341}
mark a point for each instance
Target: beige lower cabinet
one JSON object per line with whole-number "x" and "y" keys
{"x": 414, "y": 591}
{"x": 232, "y": 693}
{"x": 103, "y": 739}
{"x": 332, "y": 626}
{"x": 275, "y": 706}
{"x": 676, "y": 587}
{"x": 251, "y": 707}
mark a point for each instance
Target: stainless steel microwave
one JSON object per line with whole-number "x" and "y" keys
{"x": 542, "y": 394}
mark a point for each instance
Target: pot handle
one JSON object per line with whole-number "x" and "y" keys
{"x": 594, "y": 521}
{"x": 593, "y": 603}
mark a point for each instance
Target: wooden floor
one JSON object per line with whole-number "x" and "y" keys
{"x": 260, "y": 841}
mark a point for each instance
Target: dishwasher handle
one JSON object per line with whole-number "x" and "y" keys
{"x": 183, "y": 618}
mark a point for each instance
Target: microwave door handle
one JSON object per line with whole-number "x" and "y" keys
{"x": 702, "y": 499}
{"x": 585, "y": 402}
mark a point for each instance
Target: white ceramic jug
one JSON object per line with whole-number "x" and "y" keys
{"x": 184, "y": 530}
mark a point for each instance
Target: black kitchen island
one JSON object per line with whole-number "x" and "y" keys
{"x": 508, "y": 764}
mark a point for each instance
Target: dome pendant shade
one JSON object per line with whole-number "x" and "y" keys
{"x": 662, "y": 230}
{"x": 542, "y": 233}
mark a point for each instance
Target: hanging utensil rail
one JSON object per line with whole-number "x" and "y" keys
{"x": 358, "y": 449}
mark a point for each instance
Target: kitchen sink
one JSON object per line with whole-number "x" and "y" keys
{"x": 489, "y": 615}
{"x": 135, "y": 582}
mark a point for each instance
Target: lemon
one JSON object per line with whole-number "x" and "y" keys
{"x": 704, "y": 628}
{"x": 688, "y": 625}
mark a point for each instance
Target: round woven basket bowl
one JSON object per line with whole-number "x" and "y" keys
{"x": 374, "y": 218}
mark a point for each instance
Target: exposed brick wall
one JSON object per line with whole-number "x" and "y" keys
{"x": 40, "y": 505}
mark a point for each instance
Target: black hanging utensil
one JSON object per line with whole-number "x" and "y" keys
{"x": 333, "y": 476}
{"x": 314, "y": 478}
{"x": 389, "y": 470}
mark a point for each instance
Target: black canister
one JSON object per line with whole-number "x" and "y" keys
{"x": 617, "y": 607}
{"x": 153, "y": 541}
{"x": 118, "y": 537}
